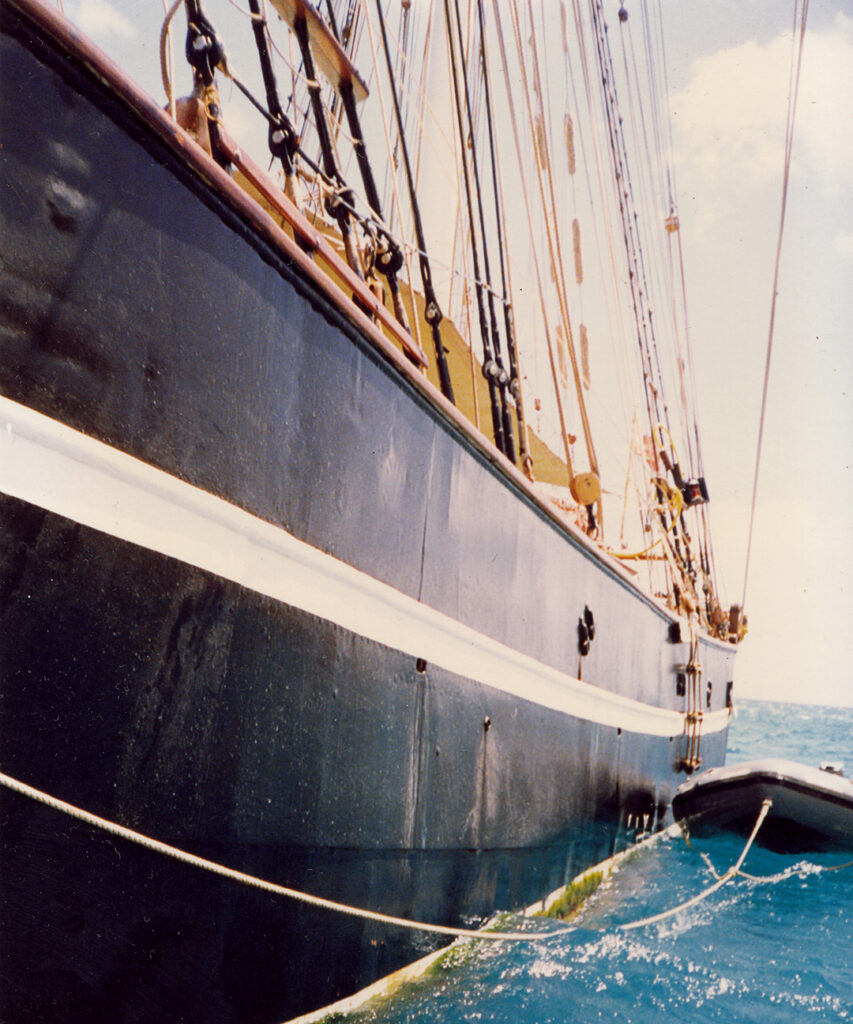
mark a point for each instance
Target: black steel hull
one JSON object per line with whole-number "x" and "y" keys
{"x": 239, "y": 591}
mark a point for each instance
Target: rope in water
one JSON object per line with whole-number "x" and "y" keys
{"x": 721, "y": 881}
{"x": 781, "y": 876}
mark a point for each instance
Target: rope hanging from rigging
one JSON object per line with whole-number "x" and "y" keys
{"x": 432, "y": 311}
{"x": 496, "y": 376}
{"x": 340, "y": 199}
{"x": 509, "y": 322}
{"x": 801, "y": 10}
{"x": 281, "y": 135}
{"x": 388, "y": 255}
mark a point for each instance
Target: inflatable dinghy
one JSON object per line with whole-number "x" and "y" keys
{"x": 812, "y": 808}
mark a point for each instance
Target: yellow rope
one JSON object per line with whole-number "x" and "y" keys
{"x": 675, "y": 505}
{"x": 629, "y": 556}
{"x": 166, "y": 60}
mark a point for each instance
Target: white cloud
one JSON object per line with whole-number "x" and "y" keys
{"x": 730, "y": 117}
{"x": 99, "y": 19}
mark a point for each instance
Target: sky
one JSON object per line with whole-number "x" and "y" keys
{"x": 728, "y": 78}
{"x": 729, "y": 83}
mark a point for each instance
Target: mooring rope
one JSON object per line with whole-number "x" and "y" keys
{"x": 781, "y": 876}
{"x": 721, "y": 881}
{"x": 259, "y": 883}
{"x": 113, "y": 828}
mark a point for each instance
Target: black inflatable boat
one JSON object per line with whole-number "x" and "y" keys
{"x": 812, "y": 808}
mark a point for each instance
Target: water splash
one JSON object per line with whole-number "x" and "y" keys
{"x": 772, "y": 949}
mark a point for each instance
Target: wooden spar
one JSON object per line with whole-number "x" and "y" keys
{"x": 328, "y": 53}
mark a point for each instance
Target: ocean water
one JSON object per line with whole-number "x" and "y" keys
{"x": 777, "y": 951}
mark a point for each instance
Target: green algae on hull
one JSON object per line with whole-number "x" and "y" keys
{"x": 570, "y": 900}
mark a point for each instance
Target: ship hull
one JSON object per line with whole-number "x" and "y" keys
{"x": 265, "y": 600}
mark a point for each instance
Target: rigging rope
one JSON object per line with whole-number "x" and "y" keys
{"x": 397, "y": 202}
{"x": 509, "y": 325}
{"x": 492, "y": 371}
{"x": 552, "y": 222}
{"x": 388, "y": 257}
{"x": 796, "y": 64}
{"x": 336, "y": 209}
{"x": 587, "y": 142}
{"x": 564, "y": 434}
{"x": 643, "y": 313}
{"x": 655, "y": 189}
{"x": 432, "y": 313}
{"x": 541, "y": 163}
{"x": 281, "y": 137}
{"x": 166, "y": 60}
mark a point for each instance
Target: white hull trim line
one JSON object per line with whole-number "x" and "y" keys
{"x": 66, "y": 472}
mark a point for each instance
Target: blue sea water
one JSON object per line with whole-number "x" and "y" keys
{"x": 770, "y": 952}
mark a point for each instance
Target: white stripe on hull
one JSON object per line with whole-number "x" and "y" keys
{"x": 64, "y": 471}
